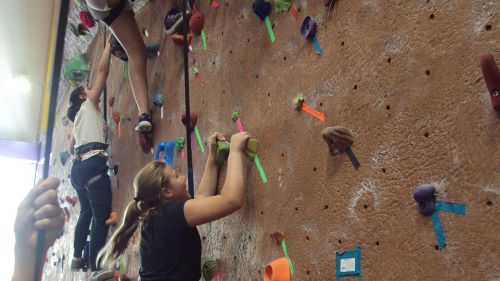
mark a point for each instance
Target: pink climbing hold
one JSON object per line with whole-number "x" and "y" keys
{"x": 87, "y": 19}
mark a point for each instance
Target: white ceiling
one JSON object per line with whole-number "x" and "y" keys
{"x": 25, "y": 27}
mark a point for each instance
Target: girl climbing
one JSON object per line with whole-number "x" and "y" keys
{"x": 89, "y": 172}
{"x": 170, "y": 244}
{"x": 118, "y": 15}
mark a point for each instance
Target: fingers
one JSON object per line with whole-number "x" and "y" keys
{"x": 48, "y": 197}
{"x": 41, "y": 187}
{"x": 491, "y": 73}
{"x": 53, "y": 223}
{"x": 47, "y": 211}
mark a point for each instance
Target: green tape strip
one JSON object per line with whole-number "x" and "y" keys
{"x": 197, "y": 133}
{"x": 259, "y": 167}
{"x": 283, "y": 245}
{"x": 124, "y": 69}
{"x": 204, "y": 39}
{"x": 270, "y": 29}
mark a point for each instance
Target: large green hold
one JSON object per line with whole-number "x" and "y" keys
{"x": 76, "y": 69}
{"x": 282, "y": 5}
{"x": 222, "y": 152}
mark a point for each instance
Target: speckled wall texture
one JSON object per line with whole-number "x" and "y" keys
{"x": 404, "y": 76}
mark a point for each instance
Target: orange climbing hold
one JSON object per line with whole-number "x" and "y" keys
{"x": 113, "y": 219}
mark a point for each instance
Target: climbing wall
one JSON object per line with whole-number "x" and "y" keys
{"x": 404, "y": 76}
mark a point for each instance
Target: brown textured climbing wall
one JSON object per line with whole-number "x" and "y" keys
{"x": 404, "y": 76}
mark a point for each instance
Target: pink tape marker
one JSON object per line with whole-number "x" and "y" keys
{"x": 240, "y": 126}
{"x": 182, "y": 153}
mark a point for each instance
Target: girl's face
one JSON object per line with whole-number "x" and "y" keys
{"x": 177, "y": 185}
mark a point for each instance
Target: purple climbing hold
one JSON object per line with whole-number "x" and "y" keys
{"x": 426, "y": 208}
{"x": 261, "y": 8}
{"x": 308, "y": 29}
{"x": 424, "y": 193}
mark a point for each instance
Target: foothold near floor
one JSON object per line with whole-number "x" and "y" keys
{"x": 196, "y": 23}
{"x": 308, "y": 29}
{"x": 298, "y": 101}
{"x": 424, "y": 193}
{"x": 222, "y": 151}
{"x": 193, "y": 117}
{"x": 158, "y": 99}
{"x": 491, "y": 76}
{"x": 338, "y": 138}
{"x": 278, "y": 237}
{"x": 235, "y": 116}
{"x": 277, "y": 270}
{"x": 261, "y": 8}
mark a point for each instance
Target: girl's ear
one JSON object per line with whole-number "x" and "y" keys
{"x": 166, "y": 194}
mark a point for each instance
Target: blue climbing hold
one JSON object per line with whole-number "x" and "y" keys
{"x": 308, "y": 29}
{"x": 261, "y": 8}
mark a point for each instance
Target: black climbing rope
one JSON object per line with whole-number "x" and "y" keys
{"x": 186, "y": 94}
{"x": 54, "y": 87}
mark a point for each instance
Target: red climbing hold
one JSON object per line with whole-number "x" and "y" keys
{"x": 87, "y": 19}
{"x": 491, "y": 76}
{"x": 146, "y": 141}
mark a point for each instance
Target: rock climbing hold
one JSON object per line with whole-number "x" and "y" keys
{"x": 76, "y": 69}
{"x": 87, "y": 19}
{"x": 71, "y": 200}
{"x": 261, "y": 8}
{"x": 338, "y": 138}
{"x": 298, "y": 101}
{"x": 222, "y": 151}
{"x": 193, "y": 117}
{"x": 64, "y": 156}
{"x": 158, "y": 99}
{"x": 278, "y": 237}
{"x": 196, "y": 23}
{"x": 277, "y": 270}
{"x": 282, "y": 5}
{"x": 426, "y": 208}
{"x": 113, "y": 218}
{"x": 251, "y": 148}
{"x": 116, "y": 117}
{"x": 424, "y": 193}
{"x": 308, "y": 29}
{"x": 235, "y": 116}
{"x": 152, "y": 50}
{"x": 491, "y": 75}
{"x": 65, "y": 121}
{"x": 179, "y": 39}
{"x": 116, "y": 168}
{"x": 179, "y": 143}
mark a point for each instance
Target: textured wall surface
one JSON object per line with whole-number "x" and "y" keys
{"x": 404, "y": 76}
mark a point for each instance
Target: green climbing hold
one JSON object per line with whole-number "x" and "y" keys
{"x": 196, "y": 70}
{"x": 222, "y": 151}
{"x": 179, "y": 143}
{"x": 298, "y": 101}
{"x": 282, "y": 5}
{"x": 64, "y": 156}
{"x": 76, "y": 69}
{"x": 209, "y": 267}
{"x": 235, "y": 116}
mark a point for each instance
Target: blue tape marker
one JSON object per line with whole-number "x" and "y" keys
{"x": 457, "y": 208}
{"x": 169, "y": 152}
{"x": 438, "y": 228}
{"x": 317, "y": 46}
{"x": 348, "y": 263}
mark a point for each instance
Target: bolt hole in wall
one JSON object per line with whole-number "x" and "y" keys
{"x": 296, "y": 209}
{"x": 377, "y": 243}
{"x": 268, "y": 94}
{"x": 431, "y": 16}
{"x": 388, "y": 107}
{"x": 314, "y": 169}
{"x": 383, "y": 170}
{"x": 342, "y": 43}
{"x": 355, "y": 87}
{"x": 261, "y": 212}
{"x": 436, "y": 247}
{"x": 426, "y": 134}
{"x": 489, "y": 203}
{"x": 427, "y": 72}
{"x": 389, "y": 60}
{"x": 487, "y": 27}
{"x": 307, "y": 272}
{"x": 307, "y": 238}
{"x": 325, "y": 207}
{"x": 321, "y": 104}
{"x": 365, "y": 206}
{"x": 284, "y": 58}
